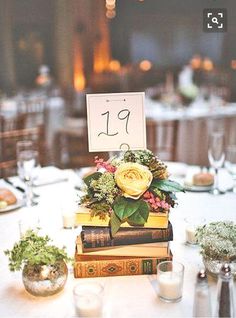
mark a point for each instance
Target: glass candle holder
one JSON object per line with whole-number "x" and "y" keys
{"x": 191, "y": 225}
{"x": 88, "y": 299}
{"x": 170, "y": 277}
{"x": 69, "y": 220}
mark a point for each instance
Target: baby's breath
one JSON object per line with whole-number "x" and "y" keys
{"x": 218, "y": 240}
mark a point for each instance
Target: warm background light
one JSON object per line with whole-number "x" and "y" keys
{"x": 110, "y": 14}
{"x": 196, "y": 62}
{"x": 145, "y": 65}
{"x": 233, "y": 64}
{"x": 114, "y": 65}
{"x": 207, "y": 64}
{"x": 111, "y": 2}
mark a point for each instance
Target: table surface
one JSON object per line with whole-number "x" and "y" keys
{"x": 125, "y": 296}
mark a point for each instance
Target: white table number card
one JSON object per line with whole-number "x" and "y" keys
{"x": 116, "y": 121}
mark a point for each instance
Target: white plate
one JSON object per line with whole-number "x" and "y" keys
{"x": 189, "y": 187}
{"x": 19, "y": 203}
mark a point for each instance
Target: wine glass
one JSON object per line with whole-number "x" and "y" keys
{"x": 216, "y": 156}
{"x": 27, "y": 161}
{"x": 230, "y": 164}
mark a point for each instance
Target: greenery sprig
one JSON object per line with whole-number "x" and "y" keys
{"x": 33, "y": 249}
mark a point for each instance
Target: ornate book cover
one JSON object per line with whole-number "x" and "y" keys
{"x": 116, "y": 266}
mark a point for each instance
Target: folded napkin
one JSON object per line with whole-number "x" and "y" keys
{"x": 50, "y": 175}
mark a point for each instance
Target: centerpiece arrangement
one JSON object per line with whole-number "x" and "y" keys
{"x": 44, "y": 268}
{"x": 124, "y": 214}
{"x": 129, "y": 188}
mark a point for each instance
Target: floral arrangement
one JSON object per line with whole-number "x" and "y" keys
{"x": 217, "y": 241}
{"x": 127, "y": 188}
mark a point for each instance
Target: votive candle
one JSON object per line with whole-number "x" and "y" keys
{"x": 170, "y": 281}
{"x": 88, "y": 299}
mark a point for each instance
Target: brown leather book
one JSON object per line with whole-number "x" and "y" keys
{"x": 97, "y": 236}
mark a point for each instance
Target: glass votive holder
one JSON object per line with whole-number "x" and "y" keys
{"x": 170, "y": 276}
{"x": 69, "y": 220}
{"x": 190, "y": 230}
{"x": 88, "y": 299}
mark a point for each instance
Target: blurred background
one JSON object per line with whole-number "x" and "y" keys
{"x": 54, "y": 52}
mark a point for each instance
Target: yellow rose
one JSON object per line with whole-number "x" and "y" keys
{"x": 133, "y": 179}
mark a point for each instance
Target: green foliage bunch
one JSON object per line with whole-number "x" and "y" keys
{"x": 33, "y": 249}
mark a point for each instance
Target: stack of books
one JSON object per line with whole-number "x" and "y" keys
{"x": 132, "y": 251}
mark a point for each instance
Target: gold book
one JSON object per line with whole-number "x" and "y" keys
{"x": 155, "y": 220}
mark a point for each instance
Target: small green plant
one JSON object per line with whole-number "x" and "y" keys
{"x": 33, "y": 249}
{"x": 217, "y": 240}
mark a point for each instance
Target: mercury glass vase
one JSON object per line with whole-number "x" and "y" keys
{"x": 45, "y": 280}
{"x": 213, "y": 266}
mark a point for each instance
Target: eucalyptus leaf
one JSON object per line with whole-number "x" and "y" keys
{"x": 125, "y": 207}
{"x": 115, "y": 223}
{"x": 167, "y": 185}
{"x": 91, "y": 177}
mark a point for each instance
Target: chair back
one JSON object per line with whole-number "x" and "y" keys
{"x": 12, "y": 123}
{"x": 162, "y": 137}
{"x": 8, "y": 141}
{"x": 36, "y": 109}
{"x": 71, "y": 149}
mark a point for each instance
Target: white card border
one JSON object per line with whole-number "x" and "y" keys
{"x": 142, "y": 94}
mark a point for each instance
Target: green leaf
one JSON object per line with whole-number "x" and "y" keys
{"x": 115, "y": 223}
{"x": 140, "y": 216}
{"x": 91, "y": 177}
{"x": 167, "y": 185}
{"x": 125, "y": 207}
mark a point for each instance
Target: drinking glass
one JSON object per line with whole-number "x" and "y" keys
{"x": 27, "y": 161}
{"x": 216, "y": 156}
{"x": 230, "y": 164}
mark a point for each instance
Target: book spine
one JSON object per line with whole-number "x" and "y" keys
{"x": 121, "y": 267}
{"x": 93, "y": 237}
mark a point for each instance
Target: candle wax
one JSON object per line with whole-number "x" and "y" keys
{"x": 89, "y": 305}
{"x": 170, "y": 285}
{"x": 68, "y": 220}
{"x": 190, "y": 235}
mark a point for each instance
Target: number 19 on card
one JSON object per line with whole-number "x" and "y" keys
{"x": 115, "y": 120}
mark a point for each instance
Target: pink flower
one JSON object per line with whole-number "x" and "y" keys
{"x": 100, "y": 163}
{"x": 155, "y": 202}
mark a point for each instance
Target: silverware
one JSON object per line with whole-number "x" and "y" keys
{"x": 14, "y": 186}
{"x": 35, "y": 195}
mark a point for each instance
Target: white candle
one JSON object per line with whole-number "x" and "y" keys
{"x": 190, "y": 234}
{"x": 89, "y": 305}
{"x": 69, "y": 220}
{"x": 170, "y": 285}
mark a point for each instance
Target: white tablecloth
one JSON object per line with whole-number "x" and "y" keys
{"x": 127, "y": 296}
